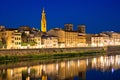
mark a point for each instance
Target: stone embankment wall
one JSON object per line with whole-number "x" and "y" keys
{"x": 49, "y": 50}
{"x": 113, "y": 49}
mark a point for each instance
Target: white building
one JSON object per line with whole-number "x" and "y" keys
{"x": 105, "y": 39}
{"x": 99, "y": 40}
{"x": 49, "y": 42}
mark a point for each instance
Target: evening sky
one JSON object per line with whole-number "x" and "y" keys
{"x": 97, "y": 15}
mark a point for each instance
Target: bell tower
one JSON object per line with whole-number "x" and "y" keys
{"x": 43, "y": 21}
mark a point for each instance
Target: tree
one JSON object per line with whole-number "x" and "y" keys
{"x": 3, "y": 42}
{"x": 24, "y": 37}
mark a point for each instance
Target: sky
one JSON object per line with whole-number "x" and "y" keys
{"x": 97, "y": 15}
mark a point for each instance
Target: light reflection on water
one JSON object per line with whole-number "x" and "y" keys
{"x": 72, "y": 69}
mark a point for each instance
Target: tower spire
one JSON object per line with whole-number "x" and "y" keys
{"x": 43, "y": 11}
{"x": 43, "y": 21}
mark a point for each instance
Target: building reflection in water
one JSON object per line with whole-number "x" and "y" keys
{"x": 59, "y": 70}
{"x": 106, "y": 62}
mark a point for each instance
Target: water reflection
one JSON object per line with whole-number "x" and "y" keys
{"x": 106, "y": 62}
{"x": 74, "y": 69}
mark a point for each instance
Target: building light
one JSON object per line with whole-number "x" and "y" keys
{"x": 12, "y": 72}
{"x": 28, "y": 70}
{"x": 78, "y": 62}
{"x": 112, "y": 70}
{"x": 57, "y": 66}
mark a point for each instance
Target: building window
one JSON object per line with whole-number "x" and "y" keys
{"x": 12, "y": 37}
{"x": 12, "y": 41}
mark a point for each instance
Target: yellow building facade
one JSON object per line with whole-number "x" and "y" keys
{"x": 69, "y": 38}
{"x": 74, "y": 39}
{"x": 35, "y": 40}
{"x": 60, "y": 34}
{"x": 12, "y": 39}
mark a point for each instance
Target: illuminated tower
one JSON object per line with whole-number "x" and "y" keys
{"x": 43, "y": 22}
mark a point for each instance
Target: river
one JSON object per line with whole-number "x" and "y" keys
{"x": 96, "y": 68}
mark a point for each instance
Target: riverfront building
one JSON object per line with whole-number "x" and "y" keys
{"x": 55, "y": 38}
{"x": 99, "y": 40}
{"x": 11, "y": 38}
{"x": 49, "y": 41}
{"x": 69, "y": 37}
{"x": 60, "y": 35}
{"x": 103, "y": 39}
{"x": 74, "y": 38}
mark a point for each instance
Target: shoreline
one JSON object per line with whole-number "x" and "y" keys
{"x": 55, "y": 53}
{"x": 50, "y": 56}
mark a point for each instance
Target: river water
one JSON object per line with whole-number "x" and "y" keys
{"x": 96, "y": 68}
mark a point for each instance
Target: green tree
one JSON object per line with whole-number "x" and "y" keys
{"x": 4, "y": 42}
{"x": 1, "y": 44}
{"x": 24, "y": 37}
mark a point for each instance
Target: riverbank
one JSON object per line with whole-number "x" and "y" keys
{"x": 9, "y": 58}
{"x": 54, "y": 53}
